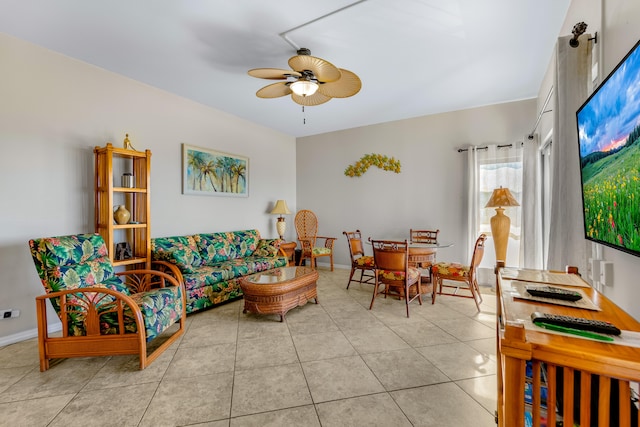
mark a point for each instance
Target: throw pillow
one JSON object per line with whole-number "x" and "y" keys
{"x": 267, "y": 247}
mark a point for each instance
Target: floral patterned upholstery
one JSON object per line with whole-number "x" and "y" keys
{"x": 179, "y": 250}
{"x": 268, "y": 247}
{"x": 225, "y": 258}
{"x": 321, "y": 251}
{"x": 414, "y": 273}
{"x": 366, "y": 261}
{"x": 81, "y": 261}
{"x": 450, "y": 269}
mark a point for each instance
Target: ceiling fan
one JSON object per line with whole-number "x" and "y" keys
{"x": 311, "y": 80}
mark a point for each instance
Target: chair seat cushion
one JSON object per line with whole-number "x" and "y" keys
{"x": 450, "y": 269}
{"x": 160, "y": 308}
{"x": 365, "y": 261}
{"x": 318, "y": 250}
{"x": 398, "y": 276}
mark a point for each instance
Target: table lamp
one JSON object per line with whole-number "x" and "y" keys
{"x": 281, "y": 209}
{"x": 500, "y": 223}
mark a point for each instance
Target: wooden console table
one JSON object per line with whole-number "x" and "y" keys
{"x": 567, "y": 378}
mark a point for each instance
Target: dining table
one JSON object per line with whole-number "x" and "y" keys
{"x": 422, "y": 255}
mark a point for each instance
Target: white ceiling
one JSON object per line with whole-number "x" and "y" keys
{"x": 415, "y": 57}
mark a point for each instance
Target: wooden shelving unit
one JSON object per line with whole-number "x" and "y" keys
{"x": 110, "y": 164}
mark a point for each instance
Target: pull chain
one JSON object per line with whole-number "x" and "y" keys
{"x": 304, "y": 118}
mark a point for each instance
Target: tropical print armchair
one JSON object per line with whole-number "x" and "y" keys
{"x": 102, "y": 312}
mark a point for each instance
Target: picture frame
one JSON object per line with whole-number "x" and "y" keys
{"x": 209, "y": 172}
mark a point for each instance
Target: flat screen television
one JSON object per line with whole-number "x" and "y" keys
{"x": 609, "y": 140}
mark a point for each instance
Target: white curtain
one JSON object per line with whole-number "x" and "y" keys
{"x": 490, "y": 167}
{"x": 531, "y": 252}
{"x": 473, "y": 187}
{"x": 567, "y": 245}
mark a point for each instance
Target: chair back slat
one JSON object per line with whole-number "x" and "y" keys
{"x": 306, "y": 224}
{"x": 424, "y": 236}
{"x": 478, "y": 253}
{"x": 354, "y": 239}
{"x": 391, "y": 255}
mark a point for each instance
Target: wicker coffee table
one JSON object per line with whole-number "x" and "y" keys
{"x": 279, "y": 290}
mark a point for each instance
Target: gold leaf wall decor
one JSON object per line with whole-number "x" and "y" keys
{"x": 383, "y": 162}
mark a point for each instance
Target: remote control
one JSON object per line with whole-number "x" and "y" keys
{"x": 556, "y": 293}
{"x": 576, "y": 323}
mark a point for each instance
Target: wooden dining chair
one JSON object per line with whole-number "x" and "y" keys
{"x": 464, "y": 276}
{"x": 424, "y": 258}
{"x": 306, "y": 224}
{"x": 423, "y": 236}
{"x": 359, "y": 261}
{"x": 393, "y": 271}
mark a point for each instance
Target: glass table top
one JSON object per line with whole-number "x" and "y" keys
{"x": 278, "y": 275}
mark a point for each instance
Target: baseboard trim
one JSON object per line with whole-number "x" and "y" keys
{"x": 26, "y": 335}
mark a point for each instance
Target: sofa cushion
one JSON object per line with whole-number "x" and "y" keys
{"x": 219, "y": 247}
{"x": 256, "y": 264}
{"x": 267, "y": 247}
{"x": 207, "y": 274}
{"x": 179, "y": 250}
{"x": 215, "y": 247}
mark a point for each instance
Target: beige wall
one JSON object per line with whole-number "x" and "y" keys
{"x": 430, "y": 191}
{"x": 55, "y": 109}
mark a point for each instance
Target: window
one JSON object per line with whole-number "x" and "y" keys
{"x": 500, "y": 166}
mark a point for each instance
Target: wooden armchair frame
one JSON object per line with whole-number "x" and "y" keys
{"x": 85, "y": 304}
{"x": 306, "y": 224}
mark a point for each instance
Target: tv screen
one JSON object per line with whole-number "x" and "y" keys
{"x": 609, "y": 139}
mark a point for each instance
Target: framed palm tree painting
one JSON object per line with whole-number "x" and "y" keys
{"x": 214, "y": 173}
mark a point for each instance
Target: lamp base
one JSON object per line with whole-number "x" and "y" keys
{"x": 281, "y": 227}
{"x": 500, "y": 227}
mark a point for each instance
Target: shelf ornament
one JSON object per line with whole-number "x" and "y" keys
{"x": 383, "y": 162}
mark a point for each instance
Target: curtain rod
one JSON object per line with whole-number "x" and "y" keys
{"x": 542, "y": 111}
{"x": 460, "y": 150}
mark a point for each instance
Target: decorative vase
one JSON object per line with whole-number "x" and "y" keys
{"x": 127, "y": 180}
{"x": 121, "y": 215}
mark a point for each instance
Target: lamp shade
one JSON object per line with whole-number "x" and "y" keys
{"x": 501, "y": 197}
{"x": 304, "y": 87}
{"x": 281, "y": 208}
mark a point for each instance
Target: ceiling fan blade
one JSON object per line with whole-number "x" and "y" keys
{"x": 309, "y": 101}
{"x": 272, "y": 73}
{"x": 348, "y": 85}
{"x": 274, "y": 90}
{"x": 323, "y": 70}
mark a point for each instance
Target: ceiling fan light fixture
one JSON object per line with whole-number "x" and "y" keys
{"x": 304, "y": 87}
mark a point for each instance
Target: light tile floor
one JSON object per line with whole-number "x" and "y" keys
{"x": 331, "y": 364}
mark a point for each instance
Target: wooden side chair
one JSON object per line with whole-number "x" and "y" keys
{"x": 103, "y": 313}
{"x": 424, "y": 258}
{"x": 306, "y": 224}
{"x": 424, "y": 236}
{"x": 465, "y": 276}
{"x": 359, "y": 261}
{"x": 394, "y": 272}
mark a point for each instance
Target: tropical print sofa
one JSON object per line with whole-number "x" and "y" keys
{"x": 212, "y": 264}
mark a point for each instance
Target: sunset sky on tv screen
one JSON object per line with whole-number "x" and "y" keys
{"x": 606, "y": 120}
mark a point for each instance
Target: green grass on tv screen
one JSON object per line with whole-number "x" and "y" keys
{"x": 611, "y": 191}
